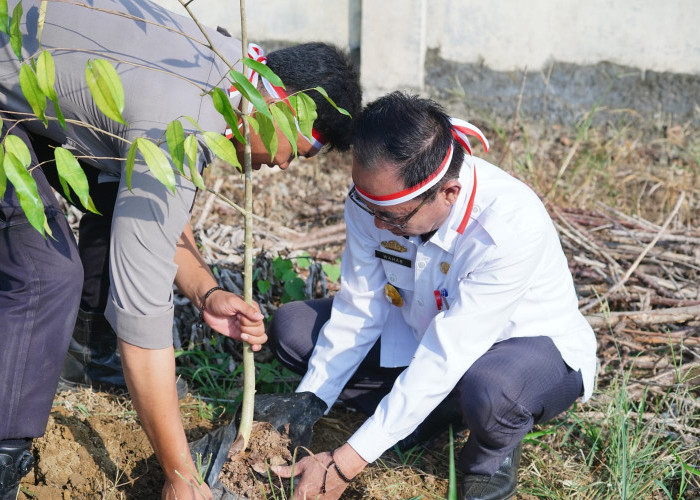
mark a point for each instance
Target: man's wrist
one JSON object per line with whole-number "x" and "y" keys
{"x": 348, "y": 461}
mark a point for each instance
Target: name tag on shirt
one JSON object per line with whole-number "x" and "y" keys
{"x": 393, "y": 258}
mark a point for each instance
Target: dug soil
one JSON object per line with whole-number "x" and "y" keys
{"x": 248, "y": 471}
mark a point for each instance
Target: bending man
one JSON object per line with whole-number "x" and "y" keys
{"x": 164, "y": 74}
{"x": 455, "y": 291}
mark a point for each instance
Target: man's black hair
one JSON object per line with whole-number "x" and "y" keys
{"x": 316, "y": 64}
{"x": 411, "y": 133}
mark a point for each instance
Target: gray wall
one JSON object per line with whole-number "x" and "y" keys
{"x": 506, "y": 35}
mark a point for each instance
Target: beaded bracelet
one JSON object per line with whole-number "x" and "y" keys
{"x": 337, "y": 470}
{"x": 204, "y": 302}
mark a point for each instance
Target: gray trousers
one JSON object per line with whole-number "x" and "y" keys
{"x": 517, "y": 383}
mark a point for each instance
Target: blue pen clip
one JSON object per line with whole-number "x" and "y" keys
{"x": 443, "y": 295}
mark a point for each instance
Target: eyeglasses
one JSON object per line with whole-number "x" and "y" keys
{"x": 398, "y": 223}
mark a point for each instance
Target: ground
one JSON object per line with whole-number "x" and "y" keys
{"x": 610, "y": 188}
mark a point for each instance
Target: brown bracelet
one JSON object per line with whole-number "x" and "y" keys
{"x": 204, "y": 301}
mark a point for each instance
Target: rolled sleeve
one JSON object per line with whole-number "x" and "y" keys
{"x": 147, "y": 224}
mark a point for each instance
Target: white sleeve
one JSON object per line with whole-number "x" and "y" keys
{"x": 358, "y": 314}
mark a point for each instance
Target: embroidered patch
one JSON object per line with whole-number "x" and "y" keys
{"x": 394, "y": 245}
{"x": 444, "y": 267}
{"x": 393, "y": 295}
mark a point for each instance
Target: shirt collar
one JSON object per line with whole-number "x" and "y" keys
{"x": 446, "y": 235}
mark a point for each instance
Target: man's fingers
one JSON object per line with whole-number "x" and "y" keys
{"x": 285, "y": 471}
{"x": 250, "y": 312}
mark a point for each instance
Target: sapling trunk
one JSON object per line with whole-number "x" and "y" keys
{"x": 246, "y": 424}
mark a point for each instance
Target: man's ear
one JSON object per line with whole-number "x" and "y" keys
{"x": 451, "y": 190}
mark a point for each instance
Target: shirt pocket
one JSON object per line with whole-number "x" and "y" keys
{"x": 399, "y": 275}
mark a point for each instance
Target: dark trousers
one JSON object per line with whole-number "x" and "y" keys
{"x": 93, "y": 230}
{"x": 518, "y": 383}
{"x": 40, "y": 285}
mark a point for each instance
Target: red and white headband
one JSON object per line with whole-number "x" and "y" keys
{"x": 256, "y": 53}
{"x": 460, "y": 131}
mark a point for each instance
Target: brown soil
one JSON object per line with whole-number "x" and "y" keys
{"x": 94, "y": 447}
{"x": 247, "y": 472}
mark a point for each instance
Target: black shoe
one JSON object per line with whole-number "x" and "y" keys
{"x": 500, "y": 486}
{"x": 15, "y": 462}
{"x": 445, "y": 414}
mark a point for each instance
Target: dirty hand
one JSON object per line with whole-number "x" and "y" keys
{"x": 230, "y": 315}
{"x": 183, "y": 490}
{"x": 320, "y": 476}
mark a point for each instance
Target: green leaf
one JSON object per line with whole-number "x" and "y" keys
{"x": 264, "y": 70}
{"x": 249, "y": 92}
{"x": 26, "y": 190}
{"x": 253, "y": 123}
{"x": 15, "y": 34}
{"x": 191, "y": 154}
{"x": 282, "y": 119}
{"x": 268, "y": 134}
{"x": 17, "y": 147}
{"x": 69, "y": 170}
{"x": 306, "y": 113}
{"x": 4, "y": 16}
{"x": 32, "y": 92}
{"x": 281, "y": 266}
{"x": 3, "y": 176}
{"x": 289, "y": 275}
{"x": 452, "y": 485}
{"x": 130, "y": 161}
{"x": 323, "y": 92}
{"x": 175, "y": 136}
{"x": 223, "y": 105}
{"x": 295, "y": 289}
{"x": 332, "y": 271}
{"x": 157, "y": 162}
{"x": 263, "y": 286}
{"x": 46, "y": 74}
{"x": 193, "y": 122}
{"x": 106, "y": 88}
{"x": 303, "y": 261}
{"x": 59, "y": 113}
{"x": 222, "y": 148}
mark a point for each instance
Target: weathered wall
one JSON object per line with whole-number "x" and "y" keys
{"x": 393, "y": 36}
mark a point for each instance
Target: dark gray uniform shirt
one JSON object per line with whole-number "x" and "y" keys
{"x": 163, "y": 73}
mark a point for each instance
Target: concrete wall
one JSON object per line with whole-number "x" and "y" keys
{"x": 393, "y": 35}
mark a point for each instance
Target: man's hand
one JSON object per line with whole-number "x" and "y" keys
{"x": 319, "y": 473}
{"x": 183, "y": 490}
{"x": 230, "y": 315}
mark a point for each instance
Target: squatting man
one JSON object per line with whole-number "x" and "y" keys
{"x": 455, "y": 293}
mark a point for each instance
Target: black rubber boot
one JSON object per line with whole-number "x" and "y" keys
{"x": 500, "y": 486}
{"x": 16, "y": 460}
{"x": 93, "y": 358}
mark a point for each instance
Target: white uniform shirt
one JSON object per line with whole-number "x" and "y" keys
{"x": 508, "y": 277}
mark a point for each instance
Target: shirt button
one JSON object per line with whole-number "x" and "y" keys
{"x": 421, "y": 264}
{"x": 419, "y": 302}
{"x": 392, "y": 278}
{"x": 476, "y": 209}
